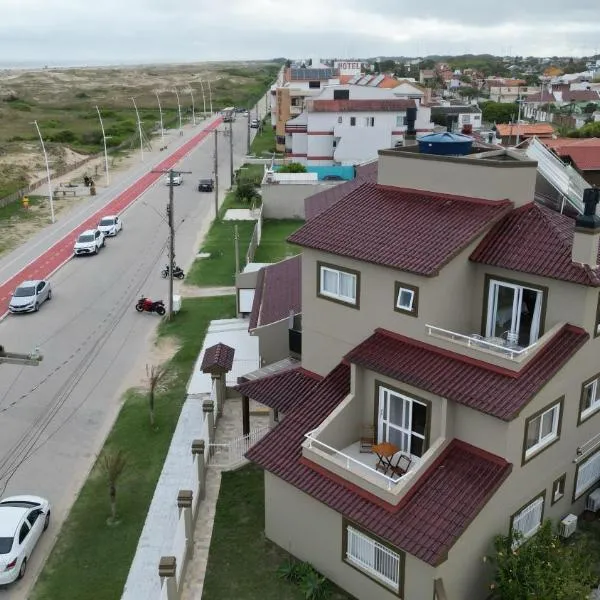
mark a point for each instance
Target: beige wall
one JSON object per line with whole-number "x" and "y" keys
{"x": 283, "y": 114}
{"x": 273, "y": 342}
{"x": 286, "y": 201}
{"x": 332, "y": 329}
{"x": 313, "y": 532}
{"x": 495, "y": 180}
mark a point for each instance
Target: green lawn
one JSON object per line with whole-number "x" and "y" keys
{"x": 250, "y": 172}
{"x": 264, "y": 142}
{"x": 91, "y": 559}
{"x": 242, "y": 563}
{"x": 219, "y": 269}
{"x": 273, "y": 246}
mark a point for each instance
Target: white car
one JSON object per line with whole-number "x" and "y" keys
{"x": 110, "y": 225}
{"x": 177, "y": 179}
{"x": 29, "y": 295}
{"x": 89, "y": 242}
{"x": 23, "y": 519}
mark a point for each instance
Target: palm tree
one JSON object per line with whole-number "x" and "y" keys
{"x": 113, "y": 464}
{"x": 155, "y": 375}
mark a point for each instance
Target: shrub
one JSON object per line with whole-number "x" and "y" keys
{"x": 313, "y": 585}
{"x": 293, "y": 167}
{"x": 246, "y": 192}
{"x": 65, "y": 136}
{"x": 541, "y": 568}
{"x": 81, "y": 95}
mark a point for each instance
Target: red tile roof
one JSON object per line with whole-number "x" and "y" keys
{"x": 281, "y": 391}
{"x": 360, "y": 105}
{"x": 476, "y": 384}
{"x": 583, "y": 152}
{"x": 522, "y": 129}
{"x": 580, "y": 96}
{"x": 278, "y": 292}
{"x": 217, "y": 358}
{"x": 429, "y": 520}
{"x": 410, "y": 230}
{"x": 316, "y": 204}
{"x": 535, "y": 239}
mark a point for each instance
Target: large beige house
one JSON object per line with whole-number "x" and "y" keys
{"x": 449, "y": 319}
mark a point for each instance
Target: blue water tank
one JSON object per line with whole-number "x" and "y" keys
{"x": 445, "y": 144}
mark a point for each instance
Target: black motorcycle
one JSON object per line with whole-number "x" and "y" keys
{"x": 177, "y": 272}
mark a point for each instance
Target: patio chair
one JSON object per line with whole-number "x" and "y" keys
{"x": 367, "y": 439}
{"x": 402, "y": 465}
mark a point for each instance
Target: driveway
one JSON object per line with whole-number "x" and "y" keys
{"x": 54, "y": 417}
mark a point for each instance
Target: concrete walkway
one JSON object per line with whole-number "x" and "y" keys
{"x": 229, "y": 427}
{"x": 192, "y": 291}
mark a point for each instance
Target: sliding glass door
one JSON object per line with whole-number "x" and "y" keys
{"x": 402, "y": 421}
{"x": 514, "y": 313}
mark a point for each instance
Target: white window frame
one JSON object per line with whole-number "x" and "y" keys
{"x": 528, "y": 520}
{"x": 337, "y": 295}
{"x": 594, "y": 387}
{"x": 588, "y": 475}
{"x": 373, "y": 558}
{"x": 411, "y": 304}
{"x": 401, "y": 120}
{"x": 543, "y": 440}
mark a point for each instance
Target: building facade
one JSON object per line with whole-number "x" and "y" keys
{"x": 451, "y": 320}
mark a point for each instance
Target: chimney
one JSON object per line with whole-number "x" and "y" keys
{"x": 587, "y": 230}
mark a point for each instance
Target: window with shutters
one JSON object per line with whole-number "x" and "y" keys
{"x": 373, "y": 558}
{"x": 528, "y": 520}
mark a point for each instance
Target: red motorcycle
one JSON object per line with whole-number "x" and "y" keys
{"x": 146, "y": 305}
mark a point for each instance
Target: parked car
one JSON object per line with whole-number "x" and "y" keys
{"x": 255, "y": 123}
{"x": 177, "y": 179}
{"x": 89, "y": 242}
{"x": 333, "y": 178}
{"x": 23, "y": 519}
{"x": 110, "y": 225}
{"x": 29, "y": 296}
{"x": 206, "y": 185}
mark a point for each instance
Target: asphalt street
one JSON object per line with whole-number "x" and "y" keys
{"x": 54, "y": 417}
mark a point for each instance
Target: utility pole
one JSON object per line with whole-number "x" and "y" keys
{"x": 104, "y": 140}
{"x": 139, "y": 124}
{"x": 231, "y": 153}
{"x": 216, "y": 169}
{"x": 32, "y": 359}
{"x": 50, "y": 198}
{"x": 171, "y": 224}
{"x": 248, "y": 148}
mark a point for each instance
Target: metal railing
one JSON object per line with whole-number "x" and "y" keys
{"x": 231, "y": 454}
{"x": 477, "y": 342}
{"x": 351, "y": 464}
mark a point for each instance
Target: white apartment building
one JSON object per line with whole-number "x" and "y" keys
{"x": 511, "y": 93}
{"x": 348, "y": 124}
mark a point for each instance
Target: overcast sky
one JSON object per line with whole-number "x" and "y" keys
{"x": 124, "y": 31}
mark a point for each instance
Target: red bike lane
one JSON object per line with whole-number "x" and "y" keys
{"x": 62, "y": 251}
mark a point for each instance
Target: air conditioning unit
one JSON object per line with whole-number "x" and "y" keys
{"x": 592, "y": 502}
{"x": 567, "y": 526}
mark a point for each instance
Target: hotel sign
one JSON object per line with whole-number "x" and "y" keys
{"x": 348, "y": 67}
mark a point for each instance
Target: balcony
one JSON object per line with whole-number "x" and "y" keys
{"x": 336, "y": 446}
{"x": 503, "y": 351}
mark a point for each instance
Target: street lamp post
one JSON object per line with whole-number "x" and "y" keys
{"x": 137, "y": 114}
{"x": 193, "y": 108}
{"x": 162, "y": 129}
{"x": 210, "y": 98}
{"x": 105, "y": 150}
{"x": 178, "y": 110}
{"x": 47, "y": 171}
{"x": 203, "y": 99}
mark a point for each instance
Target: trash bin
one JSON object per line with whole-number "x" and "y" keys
{"x": 176, "y": 303}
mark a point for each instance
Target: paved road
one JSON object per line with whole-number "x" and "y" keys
{"x": 54, "y": 418}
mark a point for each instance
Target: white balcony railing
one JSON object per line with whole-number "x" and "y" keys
{"x": 351, "y": 464}
{"x": 478, "y": 342}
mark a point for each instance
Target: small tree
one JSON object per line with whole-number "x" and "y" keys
{"x": 292, "y": 167}
{"x": 155, "y": 375}
{"x": 113, "y": 464}
{"x": 541, "y": 568}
